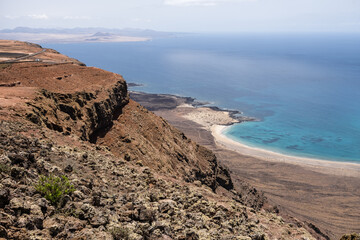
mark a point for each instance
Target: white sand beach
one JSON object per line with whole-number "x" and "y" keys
{"x": 217, "y": 121}
{"x": 333, "y": 167}
{"x": 208, "y": 117}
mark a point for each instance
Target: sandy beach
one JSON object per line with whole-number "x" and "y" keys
{"x": 321, "y": 193}
{"x": 325, "y": 166}
{"x": 217, "y": 121}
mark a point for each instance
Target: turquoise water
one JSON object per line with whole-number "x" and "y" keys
{"x": 304, "y": 89}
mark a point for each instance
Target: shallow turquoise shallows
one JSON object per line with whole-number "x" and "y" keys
{"x": 303, "y": 88}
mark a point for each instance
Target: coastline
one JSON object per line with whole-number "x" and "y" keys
{"x": 41, "y": 38}
{"x": 215, "y": 120}
{"x": 319, "y": 192}
{"x": 333, "y": 167}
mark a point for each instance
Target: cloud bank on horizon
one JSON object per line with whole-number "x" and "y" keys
{"x": 186, "y": 15}
{"x": 38, "y": 16}
{"x": 198, "y": 2}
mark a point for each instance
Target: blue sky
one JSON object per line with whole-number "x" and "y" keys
{"x": 186, "y": 15}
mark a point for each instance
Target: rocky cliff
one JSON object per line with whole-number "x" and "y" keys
{"x": 133, "y": 172}
{"x": 94, "y": 105}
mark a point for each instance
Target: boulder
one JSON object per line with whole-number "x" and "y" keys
{"x": 3, "y": 232}
{"x": 54, "y": 226}
{"x": 167, "y": 206}
{"x": 4, "y": 197}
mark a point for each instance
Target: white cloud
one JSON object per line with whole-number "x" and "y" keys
{"x": 11, "y": 17}
{"x": 76, "y": 17}
{"x": 38, "y": 16}
{"x": 198, "y": 2}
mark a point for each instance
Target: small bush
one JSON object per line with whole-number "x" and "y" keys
{"x": 54, "y": 188}
{"x": 4, "y": 168}
{"x": 120, "y": 233}
{"x": 4, "y": 65}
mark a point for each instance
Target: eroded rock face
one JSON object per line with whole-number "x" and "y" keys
{"x": 93, "y": 104}
{"x": 139, "y": 135}
{"x": 130, "y": 131}
{"x": 81, "y": 113}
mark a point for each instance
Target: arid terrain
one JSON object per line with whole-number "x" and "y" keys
{"x": 134, "y": 175}
{"x": 15, "y": 51}
{"x": 326, "y": 195}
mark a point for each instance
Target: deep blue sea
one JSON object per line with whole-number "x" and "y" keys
{"x": 303, "y": 88}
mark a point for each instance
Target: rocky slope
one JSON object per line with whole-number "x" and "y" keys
{"x": 94, "y": 105}
{"x": 133, "y": 173}
{"x": 111, "y": 194}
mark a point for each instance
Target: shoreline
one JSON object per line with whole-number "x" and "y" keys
{"x": 320, "y": 192}
{"x": 343, "y": 168}
{"x": 215, "y": 120}
{"x": 153, "y": 99}
{"x": 57, "y": 38}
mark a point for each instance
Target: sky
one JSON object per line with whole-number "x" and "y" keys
{"x": 186, "y": 15}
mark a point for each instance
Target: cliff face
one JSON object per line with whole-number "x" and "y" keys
{"x": 131, "y": 169}
{"x": 140, "y": 136}
{"x": 94, "y": 105}
{"x": 129, "y": 130}
{"x": 81, "y": 113}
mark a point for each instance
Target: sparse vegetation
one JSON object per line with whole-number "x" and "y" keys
{"x": 54, "y": 188}
{"x": 4, "y": 168}
{"x": 353, "y": 236}
{"x": 4, "y": 65}
{"x": 120, "y": 233}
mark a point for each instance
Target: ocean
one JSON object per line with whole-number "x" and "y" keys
{"x": 304, "y": 89}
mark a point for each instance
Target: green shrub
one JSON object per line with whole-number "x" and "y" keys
{"x": 4, "y": 168}
{"x": 4, "y": 65}
{"x": 54, "y": 188}
{"x": 120, "y": 233}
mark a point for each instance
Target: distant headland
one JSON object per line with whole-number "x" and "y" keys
{"x": 77, "y": 35}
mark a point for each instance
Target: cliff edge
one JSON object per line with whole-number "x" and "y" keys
{"x": 134, "y": 175}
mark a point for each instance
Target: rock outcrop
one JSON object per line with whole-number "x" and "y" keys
{"x": 353, "y": 236}
{"x": 82, "y": 113}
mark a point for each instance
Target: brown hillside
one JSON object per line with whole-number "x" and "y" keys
{"x": 131, "y": 169}
{"x": 93, "y": 103}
